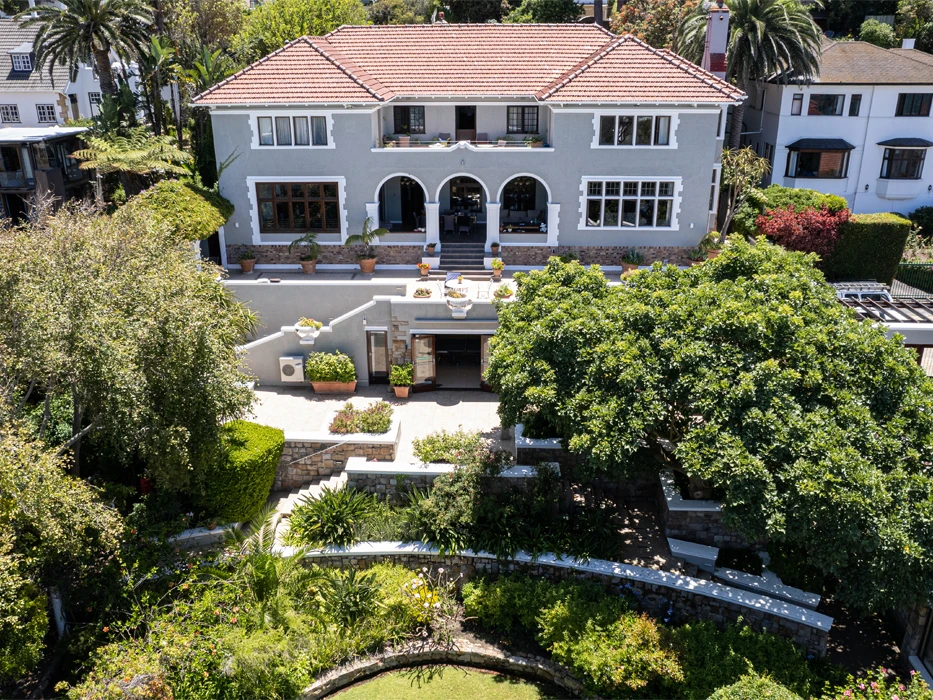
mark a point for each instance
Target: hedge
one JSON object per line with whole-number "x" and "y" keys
{"x": 753, "y": 687}
{"x": 869, "y": 248}
{"x": 192, "y": 211}
{"x": 238, "y": 485}
{"x": 778, "y": 197}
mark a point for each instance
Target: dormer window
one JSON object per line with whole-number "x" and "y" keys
{"x": 22, "y": 62}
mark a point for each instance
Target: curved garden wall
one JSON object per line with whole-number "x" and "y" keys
{"x": 660, "y": 592}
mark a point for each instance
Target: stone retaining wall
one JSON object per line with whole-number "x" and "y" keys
{"x": 307, "y": 461}
{"x": 330, "y": 254}
{"x": 661, "y": 594}
{"x": 466, "y": 653}
{"x": 393, "y": 488}
{"x": 591, "y": 255}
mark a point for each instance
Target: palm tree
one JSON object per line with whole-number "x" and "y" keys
{"x": 768, "y": 39}
{"x": 156, "y": 63}
{"x": 85, "y": 30}
{"x": 366, "y": 238}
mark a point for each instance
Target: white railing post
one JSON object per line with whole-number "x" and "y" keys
{"x": 432, "y": 223}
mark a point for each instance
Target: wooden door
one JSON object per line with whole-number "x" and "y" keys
{"x": 422, "y": 359}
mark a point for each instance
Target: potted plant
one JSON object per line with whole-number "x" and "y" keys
{"x": 312, "y": 250}
{"x": 400, "y": 377}
{"x": 366, "y": 238}
{"x": 502, "y": 293}
{"x": 632, "y": 260}
{"x": 534, "y": 141}
{"x": 425, "y": 268}
{"x": 422, "y": 293}
{"x": 494, "y": 247}
{"x": 459, "y": 299}
{"x": 696, "y": 256}
{"x": 247, "y": 260}
{"x": 430, "y": 247}
{"x": 331, "y": 372}
{"x": 712, "y": 244}
{"x": 308, "y": 327}
{"x": 497, "y": 267}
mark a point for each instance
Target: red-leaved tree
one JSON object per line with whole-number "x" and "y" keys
{"x": 808, "y": 230}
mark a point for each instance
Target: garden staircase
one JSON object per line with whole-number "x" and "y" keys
{"x": 285, "y": 506}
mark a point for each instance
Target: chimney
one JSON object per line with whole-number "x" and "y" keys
{"x": 717, "y": 39}
{"x": 908, "y": 43}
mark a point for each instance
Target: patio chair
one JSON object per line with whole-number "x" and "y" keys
{"x": 502, "y": 142}
{"x": 464, "y": 225}
{"x": 449, "y": 223}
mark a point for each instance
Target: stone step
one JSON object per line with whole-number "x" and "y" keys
{"x": 287, "y": 504}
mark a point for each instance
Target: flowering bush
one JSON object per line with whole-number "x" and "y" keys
{"x": 375, "y": 419}
{"x": 808, "y": 230}
{"x": 883, "y": 684}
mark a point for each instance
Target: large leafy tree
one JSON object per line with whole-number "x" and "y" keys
{"x": 746, "y": 375}
{"x": 546, "y": 12}
{"x": 86, "y": 30}
{"x": 768, "y": 39}
{"x": 116, "y": 315}
{"x": 656, "y": 22}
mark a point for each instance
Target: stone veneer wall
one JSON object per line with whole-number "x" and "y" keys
{"x": 702, "y": 526}
{"x": 913, "y": 622}
{"x": 655, "y": 599}
{"x": 390, "y": 487}
{"x": 399, "y": 349}
{"x": 330, "y": 254}
{"x": 590, "y": 255}
{"x": 305, "y": 461}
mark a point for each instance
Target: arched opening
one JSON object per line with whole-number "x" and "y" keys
{"x": 462, "y": 210}
{"x": 523, "y": 201}
{"x": 401, "y": 204}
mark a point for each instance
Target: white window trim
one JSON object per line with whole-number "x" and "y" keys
{"x": 672, "y": 136}
{"x": 254, "y": 204}
{"x": 53, "y": 120}
{"x": 25, "y": 57}
{"x": 291, "y": 113}
{"x": 675, "y": 209}
{"x": 19, "y": 117}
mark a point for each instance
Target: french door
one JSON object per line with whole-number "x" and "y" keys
{"x": 423, "y": 363}
{"x": 377, "y": 351}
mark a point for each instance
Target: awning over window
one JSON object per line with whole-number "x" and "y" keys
{"x": 906, "y": 143}
{"x": 821, "y": 145}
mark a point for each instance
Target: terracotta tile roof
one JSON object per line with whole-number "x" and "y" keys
{"x": 628, "y": 70}
{"x": 556, "y": 62}
{"x": 861, "y": 63}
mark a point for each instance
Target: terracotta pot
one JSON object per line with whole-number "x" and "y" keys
{"x": 430, "y": 248}
{"x": 247, "y": 265}
{"x": 308, "y": 266}
{"x": 628, "y": 267}
{"x": 368, "y": 265}
{"x": 494, "y": 249}
{"x": 710, "y": 254}
{"x": 401, "y": 392}
{"x": 496, "y": 273}
{"x": 424, "y": 275}
{"x": 334, "y": 387}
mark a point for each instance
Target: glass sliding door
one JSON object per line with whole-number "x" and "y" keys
{"x": 377, "y": 350}
{"x": 422, "y": 357}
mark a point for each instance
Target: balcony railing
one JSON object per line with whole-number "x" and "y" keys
{"x": 407, "y": 143}
{"x": 12, "y": 178}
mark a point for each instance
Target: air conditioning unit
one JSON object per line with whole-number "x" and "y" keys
{"x": 292, "y": 369}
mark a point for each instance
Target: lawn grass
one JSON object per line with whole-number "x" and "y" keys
{"x": 459, "y": 683}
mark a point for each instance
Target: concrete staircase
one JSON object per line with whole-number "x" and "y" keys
{"x": 287, "y": 504}
{"x": 460, "y": 257}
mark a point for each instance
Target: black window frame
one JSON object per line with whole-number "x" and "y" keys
{"x": 794, "y": 157}
{"x": 521, "y": 120}
{"x": 855, "y": 105}
{"x": 403, "y": 121}
{"x": 888, "y": 159}
{"x": 837, "y": 106}
{"x": 919, "y": 101}
{"x": 320, "y": 199}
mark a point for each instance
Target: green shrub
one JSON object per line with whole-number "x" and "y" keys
{"x": 508, "y": 604}
{"x": 330, "y": 367}
{"x": 881, "y": 684}
{"x": 375, "y": 419}
{"x": 870, "y": 247}
{"x": 452, "y": 448}
{"x": 333, "y": 519}
{"x": 752, "y": 687}
{"x": 23, "y": 618}
{"x": 236, "y": 486}
{"x": 923, "y": 217}
{"x": 778, "y": 197}
{"x": 878, "y": 33}
{"x": 193, "y": 212}
{"x": 401, "y": 375}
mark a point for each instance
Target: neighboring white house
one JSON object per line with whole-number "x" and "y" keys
{"x": 862, "y": 129}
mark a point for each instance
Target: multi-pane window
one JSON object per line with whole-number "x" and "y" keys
{"x": 298, "y": 207}
{"x": 625, "y": 203}
{"x": 826, "y": 105}
{"x": 816, "y": 164}
{"x": 796, "y": 105}
{"x": 409, "y": 120}
{"x": 903, "y": 163}
{"x": 631, "y": 130}
{"x": 855, "y": 104}
{"x": 21, "y": 61}
{"x": 288, "y": 131}
{"x": 95, "y": 99}
{"x": 9, "y": 114}
{"x": 46, "y": 114}
{"x": 522, "y": 120}
{"x": 913, "y": 105}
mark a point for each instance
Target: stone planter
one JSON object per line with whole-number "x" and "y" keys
{"x": 334, "y": 387}
{"x": 308, "y": 266}
{"x": 368, "y": 265}
{"x": 247, "y": 265}
{"x": 458, "y": 303}
{"x": 307, "y": 332}
{"x": 401, "y": 392}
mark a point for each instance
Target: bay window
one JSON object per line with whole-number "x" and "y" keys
{"x": 903, "y": 163}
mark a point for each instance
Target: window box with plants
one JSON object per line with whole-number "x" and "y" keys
{"x": 366, "y": 238}
{"x": 331, "y": 372}
{"x": 503, "y": 293}
{"x": 400, "y": 377}
{"x": 247, "y": 260}
{"x": 310, "y": 252}
{"x": 308, "y": 328}
{"x": 534, "y": 141}
{"x": 631, "y": 261}
{"x": 497, "y": 267}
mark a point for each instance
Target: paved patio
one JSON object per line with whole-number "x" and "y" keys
{"x": 301, "y": 410}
